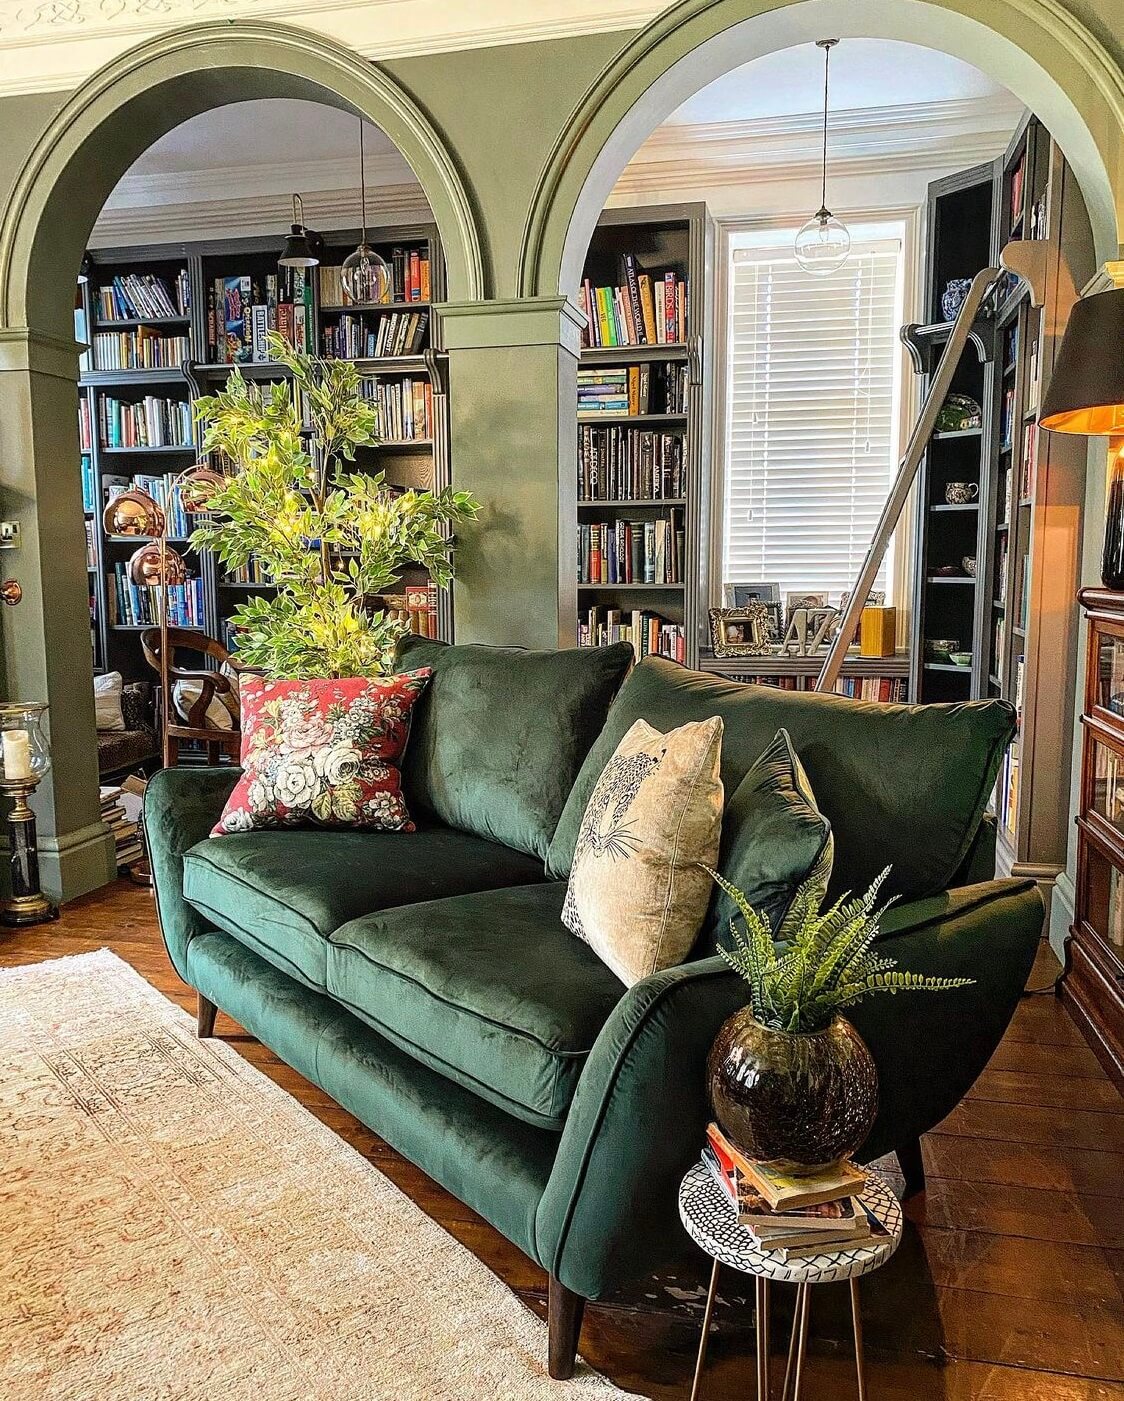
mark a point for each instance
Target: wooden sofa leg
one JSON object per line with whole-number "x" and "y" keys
{"x": 204, "y": 1016}
{"x": 913, "y": 1166}
{"x": 564, "y": 1324}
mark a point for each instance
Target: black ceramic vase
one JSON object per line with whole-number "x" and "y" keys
{"x": 796, "y": 1101}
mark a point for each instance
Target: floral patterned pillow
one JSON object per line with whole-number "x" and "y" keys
{"x": 323, "y": 753}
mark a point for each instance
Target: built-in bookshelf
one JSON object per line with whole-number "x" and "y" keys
{"x": 948, "y": 598}
{"x": 1033, "y": 519}
{"x": 1013, "y": 610}
{"x": 166, "y": 323}
{"x": 642, "y": 429}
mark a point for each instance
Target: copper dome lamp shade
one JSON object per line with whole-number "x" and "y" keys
{"x": 1086, "y": 395}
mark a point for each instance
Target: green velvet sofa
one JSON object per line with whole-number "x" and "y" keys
{"x": 425, "y": 980}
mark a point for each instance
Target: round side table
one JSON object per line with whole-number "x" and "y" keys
{"x": 711, "y": 1219}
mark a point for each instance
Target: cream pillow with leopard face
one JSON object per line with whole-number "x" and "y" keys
{"x": 638, "y": 894}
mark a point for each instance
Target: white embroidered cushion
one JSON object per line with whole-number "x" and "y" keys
{"x": 638, "y": 894}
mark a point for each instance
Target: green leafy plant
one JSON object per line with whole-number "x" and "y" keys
{"x": 818, "y": 962}
{"x": 330, "y": 538}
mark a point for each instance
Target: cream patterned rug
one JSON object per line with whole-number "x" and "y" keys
{"x": 174, "y": 1225}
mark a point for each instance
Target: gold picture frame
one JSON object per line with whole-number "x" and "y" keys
{"x": 740, "y": 632}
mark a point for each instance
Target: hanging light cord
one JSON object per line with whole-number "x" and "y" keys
{"x": 362, "y": 183}
{"x": 827, "y": 45}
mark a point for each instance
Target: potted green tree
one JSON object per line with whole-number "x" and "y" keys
{"x": 331, "y": 538}
{"x": 792, "y": 1083}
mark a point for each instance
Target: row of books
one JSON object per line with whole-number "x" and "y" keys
{"x": 1018, "y": 190}
{"x": 1007, "y": 419}
{"x": 1029, "y": 460}
{"x": 91, "y": 545}
{"x": 885, "y": 689}
{"x": 150, "y": 422}
{"x": 136, "y": 296}
{"x": 405, "y": 407}
{"x": 121, "y": 813}
{"x": 1007, "y": 788}
{"x": 409, "y": 279}
{"x": 629, "y": 464}
{"x": 138, "y": 605}
{"x": 142, "y": 349}
{"x": 650, "y": 633}
{"x": 793, "y": 1217}
{"x": 634, "y": 389}
{"x": 417, "y": 608}
{"x": 644, "y": 308}
{"x": 631, "y": 551}
{"x": 90, "y": 492}
{"x": 85, "y": 425}
{"x": 240, "y": 313}
{"x": 353, "y": 338}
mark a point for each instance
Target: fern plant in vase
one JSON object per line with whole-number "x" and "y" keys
{"x": 792, "y": 1083}
{"x": 331, "y": 538}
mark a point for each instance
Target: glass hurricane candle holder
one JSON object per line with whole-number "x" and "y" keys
{"x": 25, "y": 756}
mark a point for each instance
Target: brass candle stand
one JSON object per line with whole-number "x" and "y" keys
{"x": 27, "y": 904}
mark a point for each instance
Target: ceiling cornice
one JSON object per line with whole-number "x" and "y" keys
{"x": 234, "y": 200}
{"x": 48, "y": 46}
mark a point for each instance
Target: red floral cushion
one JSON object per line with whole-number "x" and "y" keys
{"x": 323, "y": 753}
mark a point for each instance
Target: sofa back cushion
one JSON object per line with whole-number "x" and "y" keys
{"x": 500, "y": 734}
{"x": 901, "y": 785}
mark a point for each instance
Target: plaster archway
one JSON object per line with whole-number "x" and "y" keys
{"x": 1035, "y": 48}
{"x": 98, "y": 133}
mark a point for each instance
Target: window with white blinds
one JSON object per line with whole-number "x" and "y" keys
{"x": 813, "y": 411}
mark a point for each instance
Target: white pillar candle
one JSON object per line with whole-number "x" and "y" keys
{"x": 17, "y": 755}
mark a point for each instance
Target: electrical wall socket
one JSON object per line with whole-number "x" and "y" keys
{"x": 9, "y": 535}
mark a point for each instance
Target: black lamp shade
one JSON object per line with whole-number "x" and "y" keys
{"x": 1086, "y": 393}
{"x": 298, "y": 252}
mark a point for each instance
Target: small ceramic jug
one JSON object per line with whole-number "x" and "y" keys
{"x": 960, "y": 493}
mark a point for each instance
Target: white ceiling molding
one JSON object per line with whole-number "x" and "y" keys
{"x": 895, "y": 138}
{"x": 53, "y": 45}
{"x": 243, "y": 215}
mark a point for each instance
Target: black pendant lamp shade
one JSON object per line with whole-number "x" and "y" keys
{"x": 1086, "y": 393}
{"x": 302, "y": 246}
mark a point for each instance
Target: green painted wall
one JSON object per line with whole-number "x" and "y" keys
{"x": 500, "y": 112}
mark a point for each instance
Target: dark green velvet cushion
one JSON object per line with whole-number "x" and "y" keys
{"x": 902, "y": 785}
{"x": 282, "y": 893}
{"x": 489, "y": 989}
{"x": 774, "y": 838}
{"x": 499, "y": 735}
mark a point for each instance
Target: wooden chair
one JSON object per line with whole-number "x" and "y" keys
{"x": 212, "y": 684}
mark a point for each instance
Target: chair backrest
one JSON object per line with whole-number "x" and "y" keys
{"x": 203, "y": 683}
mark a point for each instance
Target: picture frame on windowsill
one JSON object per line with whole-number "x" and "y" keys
{"x": 741, "y": 632}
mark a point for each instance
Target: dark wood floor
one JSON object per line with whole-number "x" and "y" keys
{"x": 1009, "y": 1285}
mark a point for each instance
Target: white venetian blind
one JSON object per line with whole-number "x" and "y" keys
{"x": 812, "y": 413}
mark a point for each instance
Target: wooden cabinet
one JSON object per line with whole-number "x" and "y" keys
{"x": 1093, "y": 982}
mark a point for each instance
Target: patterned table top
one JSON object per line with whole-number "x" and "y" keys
{"x": 711, "y": 1219}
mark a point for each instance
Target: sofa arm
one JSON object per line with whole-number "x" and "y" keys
{"x": 180, "y": 808}
{"x": 639, "y": 1114}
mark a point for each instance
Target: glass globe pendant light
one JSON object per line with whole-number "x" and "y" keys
{"x": 822, "y": 245}
{"x": 365, "y": 276}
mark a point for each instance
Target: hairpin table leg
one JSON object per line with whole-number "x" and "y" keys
{"x": 705, "y": 1332}
{"x": 856, "y": 1316}
{"x": 797, "y": 1343}
{"x": 762, "y": 1338}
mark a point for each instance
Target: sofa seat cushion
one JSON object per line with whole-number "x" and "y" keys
{"x": 489, "y": 989}
{"x": 282, "y": 893}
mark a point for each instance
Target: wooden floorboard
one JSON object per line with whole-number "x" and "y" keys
{"x": 1009, "y": 1285}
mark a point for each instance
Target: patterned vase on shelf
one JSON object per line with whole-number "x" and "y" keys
{"x": 798, "y": 1102}
{"x": 952, "y": 298}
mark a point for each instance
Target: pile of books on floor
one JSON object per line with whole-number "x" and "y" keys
{"x": 121, "y": 812}
{"x": 795, "y": 1217}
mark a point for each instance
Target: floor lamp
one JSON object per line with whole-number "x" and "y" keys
{"x": 135, "y": 514}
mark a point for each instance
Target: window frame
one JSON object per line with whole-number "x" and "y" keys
{"x": 900, "y": 222}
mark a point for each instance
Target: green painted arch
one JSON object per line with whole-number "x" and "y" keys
{"x": 1035, "y": 48}
{"x": 138, "y": 97}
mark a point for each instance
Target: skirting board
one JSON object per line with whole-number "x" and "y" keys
{"x": 1062, "y": 906}
{"x": 75, "y": 862}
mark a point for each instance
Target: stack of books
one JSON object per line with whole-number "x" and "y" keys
{"x": 794, "y": 1217}
{"x": 120, "y": 811}
{"x": 240, "y": 313}
{"x": 634, "y": 389}
{"x": 650, "y": 633}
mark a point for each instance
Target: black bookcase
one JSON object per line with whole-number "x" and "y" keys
{"x": 419, "y": 459}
